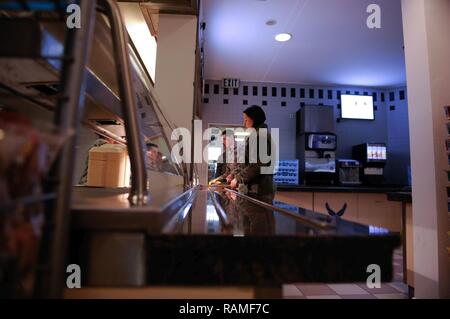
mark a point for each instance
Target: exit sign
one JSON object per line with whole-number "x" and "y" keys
{"x": 230, "y": 83}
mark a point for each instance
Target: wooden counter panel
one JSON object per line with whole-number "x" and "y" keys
{"x": 300, "y": 199}
{"x": 377, "y": 210}
{"x": 336, "y": 201}
{"x": 366, "y": 208}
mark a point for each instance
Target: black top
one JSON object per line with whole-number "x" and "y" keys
{"x": 264, "y": 247}
{"x": 344, "y": 189}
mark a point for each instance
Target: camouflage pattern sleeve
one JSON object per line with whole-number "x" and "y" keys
{"x": 231, "y": 166}
{"x": 249, "y": 172}
{"x": 220, "y": 170}
{"x": 246, "y": 173}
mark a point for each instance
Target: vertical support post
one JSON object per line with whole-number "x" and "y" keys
{"x": 135, "y": 143}
{"x": 426, "y": 53}
{"x": 69, "y": 110}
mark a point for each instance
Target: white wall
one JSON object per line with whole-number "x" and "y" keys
{"x": 427, "y": 49}
{"x": 175, "y": 67}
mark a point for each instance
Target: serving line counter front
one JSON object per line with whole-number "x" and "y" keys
{"x": 214, "y": 243}
{"x": 368, "y": 205}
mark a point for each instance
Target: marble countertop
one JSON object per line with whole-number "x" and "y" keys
{"x": 344, "y": 188}
{"x": 201, "y": 237}
{"x": 262, "y": 246}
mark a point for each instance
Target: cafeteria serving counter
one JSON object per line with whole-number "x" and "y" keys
{"x": 181, "y": 236}
{"x": 218, "y": 237}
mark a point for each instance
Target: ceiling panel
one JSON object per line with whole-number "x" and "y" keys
{"x": 331, "y": 43}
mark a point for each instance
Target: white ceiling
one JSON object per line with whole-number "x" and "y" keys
{"x": 331, "y": 43}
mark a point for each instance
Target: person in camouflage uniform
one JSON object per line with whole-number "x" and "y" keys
{"x": 248, "y": 175}
{"x": 227, "y": 162}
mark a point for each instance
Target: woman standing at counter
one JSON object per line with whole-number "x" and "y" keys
{"x": 249, "y": 173}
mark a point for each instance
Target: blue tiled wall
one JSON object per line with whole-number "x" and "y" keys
{"x": 398, "y": 137}
{"x": 390, "y": 125}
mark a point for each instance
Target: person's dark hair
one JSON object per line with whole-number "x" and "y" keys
{"x": 150, "y": 145}
{"x": 227, "y": 131}
{"x": 256, "y": 113}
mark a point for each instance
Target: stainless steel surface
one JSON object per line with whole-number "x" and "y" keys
{"x": 139, "y": 193}
{"x": 320, "y": 165}
{"x": 348, "y": 172}
{"x": 103, "y": 89}
{"x": 177, "y": 220}
{"x": 69, "y": 110}
{"x": 21, "y": 71}
{"x": 106, "y": 133}
{"x": 316, "y": 142}
{"x": 103, "y": 95}
{"x": 100, "y": 209}
{"x": 321, "y": 141}
{"x": 373, "y": 170}
{"x": 110, "y": 200}
{"x": 316, "y": 119}
{"x": 21, "y": 94}
{"x": 220, "y": 211}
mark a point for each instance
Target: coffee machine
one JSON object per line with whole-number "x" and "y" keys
{"x": 316, "y": 144}
{"x": 373, "y": 157}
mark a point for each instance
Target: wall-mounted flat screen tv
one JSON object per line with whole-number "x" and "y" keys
{"x": 359, "y": 107}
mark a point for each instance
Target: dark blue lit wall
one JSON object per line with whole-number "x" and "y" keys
{"x": 282, "y": 101}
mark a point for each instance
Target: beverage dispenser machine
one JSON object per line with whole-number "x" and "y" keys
{"x": 316, "y": 144}
{"x": 373, "y": 157}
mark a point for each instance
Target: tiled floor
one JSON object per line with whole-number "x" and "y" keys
{"x": 394, "y": 290}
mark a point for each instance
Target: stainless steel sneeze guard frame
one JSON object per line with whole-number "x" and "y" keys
{"x": 139, "y": 191}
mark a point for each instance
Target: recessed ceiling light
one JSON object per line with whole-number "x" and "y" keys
{"x": 283, "y": 37}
